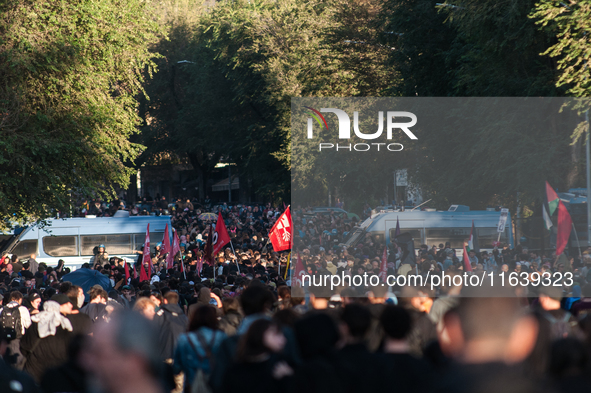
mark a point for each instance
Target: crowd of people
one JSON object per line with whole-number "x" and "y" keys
{"x": 231, "y": 322}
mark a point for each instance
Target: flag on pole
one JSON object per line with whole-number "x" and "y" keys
{"x": 220, "y": 235}
{"x": 552, "y": 198}
{"x": 134, "y": 272}
{"x": 467, "y": 264}
{"x": 397, "y": 233}
{"x": 176, "y": 248}
{"x": 384, "y": 266}
{"x": 473, "y": 240}
{"x": 565, "y": 225}
{"x": 165, "y": 243}
{"x": 281, "y": 233}
{"x": 146, "y": 257}
{"x": 299, "y": 272}
{"x": 143, "y": 274}
{"x": 127, "y": 275}
{"x": 547, "y": 220}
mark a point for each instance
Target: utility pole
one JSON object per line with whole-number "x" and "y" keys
{"x": 588, "y": 151}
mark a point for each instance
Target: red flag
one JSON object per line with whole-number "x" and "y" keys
{"x": 220, "y": 236}
{"x": 165, "y": 243}
{"x": 565, "y": 224}
{"x": 147, "y": 258}
{"x": 134, "y": 272}
{"x": 176, "y": 248}
{"x": 467, "y": 264}
{"x": 384, "y": 266}
{"x": 208, "y": 251}
{"x": 127, "y": 275}
{"x": 143, "y": 274}
{"x": 281, "y": 233}
{"x": 299, "y": 271}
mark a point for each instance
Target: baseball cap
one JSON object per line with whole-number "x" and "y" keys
{"x": 126, "y": 287}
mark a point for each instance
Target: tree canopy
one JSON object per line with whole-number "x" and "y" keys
{"x": 70, "y": 72}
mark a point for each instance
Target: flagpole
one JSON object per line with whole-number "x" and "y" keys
{"x": 234, "y": 252}
{"x": 577, "y": 237}
{"x": 287, "y": 267}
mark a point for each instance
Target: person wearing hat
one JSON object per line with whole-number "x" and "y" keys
{"x": 101, "y": 257}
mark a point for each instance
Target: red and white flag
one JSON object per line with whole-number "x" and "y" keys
{"x": 220, "y": 235}
{"x": 384, "y": 266}
{"x": 146, "y": 257}
{"x": 176, "y": 248}
{"x": 282, "y": 232}
{"x": 165, "y": 243}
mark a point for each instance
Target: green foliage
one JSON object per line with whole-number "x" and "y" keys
{"x": 69, "y": 72}
{"x": 570, "y": 22}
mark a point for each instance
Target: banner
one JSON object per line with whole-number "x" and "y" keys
{"x": 281, "y": 233}
{"x": 220, "y": 235}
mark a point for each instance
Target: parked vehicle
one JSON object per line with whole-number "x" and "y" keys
{"x": 75, "y": 239}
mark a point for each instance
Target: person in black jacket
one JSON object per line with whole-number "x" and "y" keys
{"x": 46, "y": 342}
{"x": 171, "y": 322}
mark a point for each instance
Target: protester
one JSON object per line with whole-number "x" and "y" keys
{"x": 46, "y": 341}
{"x": 258, "y": 366}
{"x": 123, "y": 356}
{"x": 194, "y": 350}
{"x": 17, "y": 317}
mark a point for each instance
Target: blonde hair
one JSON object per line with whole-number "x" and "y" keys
{"x": 142, "y": 303}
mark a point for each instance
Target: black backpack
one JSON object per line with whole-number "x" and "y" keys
{"x": 10, "y": 318}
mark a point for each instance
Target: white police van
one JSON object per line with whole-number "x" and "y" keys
{"x": 433, "y": 227}
{"x": 75, "y": 239}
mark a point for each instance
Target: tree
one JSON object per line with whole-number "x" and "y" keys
{"x": 70, "y": 73}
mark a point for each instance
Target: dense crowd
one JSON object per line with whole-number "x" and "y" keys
{"x": 234, "y": 324}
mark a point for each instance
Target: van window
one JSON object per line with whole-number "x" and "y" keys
{"x": 155, "y": 238}
{"x": 456, "y": 236}
{"x": 114, "y": 244}
{"x": 61, "y": 246}
{"x": 417, "y": 235}
{"x": 25, "y": 248}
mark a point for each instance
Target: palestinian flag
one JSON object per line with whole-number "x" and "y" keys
{"x": 547, "y": 220}
{"x": 473, "y": 240}
{"x": 552, "y": 198}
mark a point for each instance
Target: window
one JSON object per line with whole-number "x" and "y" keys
{"x": 61, "y": 246}
{"x": 456, "y": 236}
{"x": 114, "y": 244}
{"x": 25, "y": 248}
{"x": 416, "y": 234}
{"x": 155, "y": 238}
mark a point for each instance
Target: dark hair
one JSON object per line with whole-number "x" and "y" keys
{"x": 204, "y": 316}
{"x": 15, "y": 296}
{"x": 72, "y": 294}
{"x": 256, "y": 299}
{"x": 396, "y": 322}
{"x": 252, "y": 343}
{"x": 357, "y": 318}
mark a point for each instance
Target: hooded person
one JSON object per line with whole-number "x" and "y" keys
{"x": 46, "y": 342}
{"x": 203, "y": 299}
